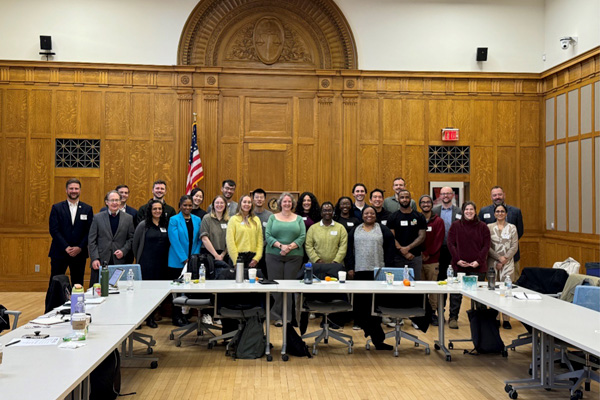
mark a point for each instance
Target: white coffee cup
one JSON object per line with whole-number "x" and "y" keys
{"x": 460, "y": 277}
{"x": 342, "y": 276}
{"x": 252, "y": 275}
{"x": 187, "y": 277}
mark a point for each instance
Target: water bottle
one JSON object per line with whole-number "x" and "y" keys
{"x": 508, "y": 286}
{"x": 202, "y": 274}
{"x": 130, "y": 279}
{"x": 308, "y": 273}
{"x": 78, "y": 319}
{"x": 450, "y": 274}
{"x": 75, "y": 293}
{"x": 491, "y": 277}
{"x": 239, "y": 270}
{"x": 406, "y": 275}
{"x": 104, "y": 280}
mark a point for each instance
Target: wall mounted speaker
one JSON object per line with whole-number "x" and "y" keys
{"x": 45, "y": 42}
{"x": 482, "y": 53}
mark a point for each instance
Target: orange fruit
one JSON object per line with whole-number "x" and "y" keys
{"x": 328, "y": 278}
{"x": 406, "y": 282}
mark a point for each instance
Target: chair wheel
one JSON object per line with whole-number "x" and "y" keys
{"x": 178, "y": 343}
{"x": 513, "y": 394}
{"x": 367, "y": 346}
{"x": 448, "y": 358}
{"x": 529, "y": 371}
{"x": 149, "y": 350}
{"x": 450, "y": 345}
{"x": 436, "y": 346}
{"x": 285, "y": 357}
{"x": 153, "y": 342}
{"x": 508, "y": 388}
{"x": 351, "y": 342}
{"x": 396, "y": 353}
{"x": 326, "y": 341}
{"x": 171, "y": 337}
{"x": 349, "y": 350}
{"x": 269, "y": 358}
{"x": 210, "y": 345}
{"x": 154, "y": 365}
{"x": 416, "y": 344}
{"x": 227, "y": 353}
{"x": 315, "y": 351}
{"x": 587, "y": 386}
{"x": 427, "y": 351}
{"x": 504, "y": 353}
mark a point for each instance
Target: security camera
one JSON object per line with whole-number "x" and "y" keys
{"x": 566, "y": 41}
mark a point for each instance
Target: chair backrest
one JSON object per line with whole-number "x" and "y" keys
{"x": 137, "y": 271}
{"x": 322, "y": 270}
{"x": 58, "y": 292}
{"x": 543, "y": 280}
{"x": 588, "y": 296}
{"x": 398, "y": 274}
{"x": 568, "y": 292}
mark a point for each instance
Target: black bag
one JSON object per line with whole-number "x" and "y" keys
{"x": 4, "y": 320}
{"x": 251, "y": 341}
{"x": 485, "y": 332}
{"x": 295, "y": 345}
{"x": 58, "y": 293}
{"x": 105, "y": 379}
{"x": 194, "y": 266}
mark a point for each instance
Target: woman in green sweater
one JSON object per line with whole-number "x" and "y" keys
{"x": 285, "y": 235}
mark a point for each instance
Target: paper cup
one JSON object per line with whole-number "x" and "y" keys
{"x": 187, "y": 277}
{"x": 460, "y": 277}
{"x": 342, "y": 276}
{"x": 252, "y": 275}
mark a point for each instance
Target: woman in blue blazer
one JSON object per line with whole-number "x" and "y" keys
{"x": 184, "y": 235}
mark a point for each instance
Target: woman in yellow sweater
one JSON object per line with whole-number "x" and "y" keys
{"x": 244, "y": 234}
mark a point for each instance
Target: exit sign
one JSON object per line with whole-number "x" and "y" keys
{"x": 450, "y": 135}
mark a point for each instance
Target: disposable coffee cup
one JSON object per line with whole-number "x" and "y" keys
{"x": 252, "y": 275}
{"x": 460, "y": 277}
{"x": 187, "y": 277}
{"x": 342, "y": 276}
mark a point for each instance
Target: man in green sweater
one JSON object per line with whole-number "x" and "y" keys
{"x": 326, "y": 242}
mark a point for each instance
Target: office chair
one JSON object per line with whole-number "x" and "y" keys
{"x": 199, "y": 326}
{"x": 382, "y": 308}
{"x": 326, "y": 304}
{"x": 145, "y": 339}
{"x": 242, "y": 315}
{"x": 5, "y": 319}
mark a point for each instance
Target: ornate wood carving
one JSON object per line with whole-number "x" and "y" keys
{"x": 263, "y": 33}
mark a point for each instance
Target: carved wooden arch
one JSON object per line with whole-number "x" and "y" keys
{"x": 268, "y": 34}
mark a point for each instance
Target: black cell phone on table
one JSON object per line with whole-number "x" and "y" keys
{"x": 268, "y": 282}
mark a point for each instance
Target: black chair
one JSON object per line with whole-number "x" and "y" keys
{"x": 59, "y": 292}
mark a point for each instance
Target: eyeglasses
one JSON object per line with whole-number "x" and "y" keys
{"x": 113, "y": 201}
{"x": 499, "y": 212}
{"x": 446, "y": 194}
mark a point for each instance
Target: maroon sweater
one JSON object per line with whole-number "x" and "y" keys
{"x": 469, "y": 241}
{"x": 434, "y": 239}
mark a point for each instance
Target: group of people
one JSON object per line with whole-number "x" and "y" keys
{"x": 389, "y": 232}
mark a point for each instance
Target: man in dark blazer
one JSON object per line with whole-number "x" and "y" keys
{"x": 111, "y": 235}
{"x": 123, "y": 191}
{"x": 159, "y": 190}
{"x": 69, "y": 223}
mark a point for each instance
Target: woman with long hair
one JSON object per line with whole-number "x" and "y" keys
{"x": 197, "y": 195}
{"x": 214, "y": 231}
{"x": 244, "y": 234}
{"x": 308, "y": 209}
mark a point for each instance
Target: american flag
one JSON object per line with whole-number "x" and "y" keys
{"x": 195, "y": 171}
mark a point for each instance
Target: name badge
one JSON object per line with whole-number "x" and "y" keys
{"x": 403, "y": 223}
{"x": 487, "y": 215}
{"x": 223, "y": 226}
{"x": 304, "y": 218}
{"x": 413, "y": 222}
{"x": 350, "y": 224}
{"x": 163, "y": 230}
{"x": 458, "y": 216}
{"x": 83, "y": 217}
{"x": 429, "y": 229}
{"x": 333, "y": 233}
{"x": 242, "y": 223}
{"x": 384, "y": 222}
{"x": 264, "y": 224}
{"x": 505, "y": 235}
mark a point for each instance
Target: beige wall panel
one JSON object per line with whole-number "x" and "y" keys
{"x": 561, "y": 184}
{"x": 395, "y": 127}
{"x": 306, "y": 117}
{"x": 91, "y": 191}
{"x": 140, "y": 172}
{"x": 483, "y": 123}
{"x": 597, "y": 182}
{"x": 506, "y": 122}
{"x": 37, "y": 253}
{"x": 586, "y": 109}
{"x": 16, "y": 109}
{"x": 573, "y": 109}
{"x": 482, "y": 174}
{"x": 587, "y": 219}
{"x": 41, "y": 112}
{"x": 550, "y": 119}
{"x": 530, "y": 252}
{"x": 142, "y": 114}
{"x": 40, "y": 173}
{"x": 263, "y": 164}
{"x": 439, "y": 112}
{"x": 91, "y": 114}
{"x": 391, "y": 167}
{"x": 12, "y": 256}
{"x": 14, "y": 181}
{"x": 2, "y": 92}
{"x": 530, "y": 188}
{"x": 530, "y": 122}
{"x": 550, "y": 222}
{"x": 164, "y": 167}
{"x": 368, "y": 171}
{"x": 228, "y": 156}
{"x": 462, "y": 118}
{"x": 573, "y": 191}
{"x": 561, "y": 116}
{"x": 588, "y": 254}
{"x": 115, "y": 157}
{"x": 416, "y": 163}
{"x": 368, "y": 116}
{"x": 268, "y": 118}
{"x": 306, "y": 175}
{"x": 66, "y": 112}
{"x": 165, "y": 116}
{"x": 117, "y": 114}
{"x": 90, "y": 76}
{"x": 597, "y": 108}
{"x": 413, "y": 120}
{"x": 231, "y": 117}
{"x": 508, "y": 164}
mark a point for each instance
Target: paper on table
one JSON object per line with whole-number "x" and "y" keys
{"x": 95, "y": 300}
{"x": 524, "y": 296}
{"x": 49, "y": 341}
{"x": 56, "y": 319}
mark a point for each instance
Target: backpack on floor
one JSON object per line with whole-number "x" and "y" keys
{"x": 485, "y": 331}
{"x": 295, "y": 345}
{"x": 105, "y": 379}
{"x": 250, "y": 343}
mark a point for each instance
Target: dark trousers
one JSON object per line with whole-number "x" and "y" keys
{"x": 370, "y": 324}
{"x": 456, "y": 299}
{"x": 76, "y": 265}
{"x": 172, "y": 274}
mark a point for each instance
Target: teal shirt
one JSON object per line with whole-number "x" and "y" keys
{"x": 285, "y": 233}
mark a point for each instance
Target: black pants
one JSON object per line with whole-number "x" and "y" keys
{"x": 456, "y": 299}
{"x": 76, "y": 265}
{"x": 172, "y": 274}
{"x": 370, "y": 324}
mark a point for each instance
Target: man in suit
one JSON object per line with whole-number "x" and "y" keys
{"x": 69, "y": 223}
{"x": 111, "y": 235}
{"x": 513, "y": 216}
{"x": 159, "y": 190}
{"x": 449, "y": 213}
{"x": 123, "y": 191}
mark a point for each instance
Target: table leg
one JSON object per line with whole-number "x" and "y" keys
{"x": 85, "y": 388}
{"x": 284, "y": 356}
{"x": 268, "y": 322}
{"x": 440, "y": 343}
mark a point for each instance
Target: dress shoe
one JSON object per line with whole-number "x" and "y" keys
{"x": 452, "y": 323}
{"x": 434, "y": 320}
{"x": 180, "y": 322}
{"x": 151, "y": 323}
{"x": 278, "y": 323}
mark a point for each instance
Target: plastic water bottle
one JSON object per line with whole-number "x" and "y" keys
{"x": 78, "y": 319}
{"x": 508, "y": 286}
{"x": 202, "y": 274}
{"x": 75, "y": 294}
{"x": 406, "y": 275}
{"x": 308, "y": 273}
{"x": 450, "y": 274}
{"x": 130, "y": 280}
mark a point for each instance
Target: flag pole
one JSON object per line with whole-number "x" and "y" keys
{"x": 195, "y": 115}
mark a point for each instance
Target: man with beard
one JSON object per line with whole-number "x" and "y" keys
{"x": 513, "y": 216}
{"x": 359, "y": 192}
{"x": 228, "y": 190}
{"x": 70, "y": 222}
{"x": 392, "y": 203}
{"x": 159, "y": 190}
{"x": 409, "y": 228}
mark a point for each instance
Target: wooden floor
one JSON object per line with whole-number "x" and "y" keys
{"x": 192, "y": 371}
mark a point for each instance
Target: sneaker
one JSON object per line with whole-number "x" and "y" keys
{"x": 415, "y": 326}
{"x": 506, "y": 325}
{"x": 453, "y": 323}
{"x": 356, "y": 328}
{"x": 217, "y": 322}
{"x": 312, "y": 316}
{"x": 434, "y": 320}
{"x": 207, "y": 319}
{"x": 278, "y": 323}
{"x": 386, "y": 320}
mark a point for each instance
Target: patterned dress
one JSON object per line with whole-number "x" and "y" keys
{"x": 505, "y": 243}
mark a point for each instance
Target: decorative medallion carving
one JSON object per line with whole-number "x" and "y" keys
{"x": 268, "y": 39}
{"x": 185, "y": 79}
{"x": 211, "y": 80}
{"x": 350, "y": 84}
{"x": 325, "y": 83}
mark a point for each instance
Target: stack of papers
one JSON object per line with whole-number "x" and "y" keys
{"x": 525, "y": 296}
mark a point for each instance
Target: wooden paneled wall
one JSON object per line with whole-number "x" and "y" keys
{"x": 298, "y": 130}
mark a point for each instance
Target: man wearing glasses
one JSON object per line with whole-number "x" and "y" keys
{"x": 514, "y": 216}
